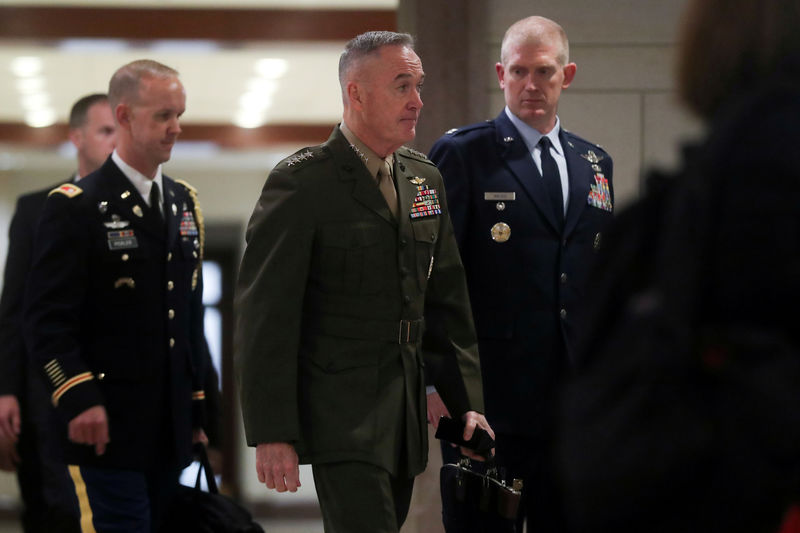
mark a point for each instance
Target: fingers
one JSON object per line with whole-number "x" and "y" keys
{"x": 90, "y": 427}
{"x": 9, "y": 417}
{"x": 278, "y": 467}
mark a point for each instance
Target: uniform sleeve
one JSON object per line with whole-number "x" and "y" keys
{"x": 269, "y": 303}
{"x": 450, "y": 344}
{"x": 56, "y": 288}
{"x": 18, "y": 262}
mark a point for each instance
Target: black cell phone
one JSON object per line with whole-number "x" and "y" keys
{"x": 452, "y": 430}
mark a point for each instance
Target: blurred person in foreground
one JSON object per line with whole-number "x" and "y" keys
{"x": 351, "y": 273}
{"x": 685, "y": 414}
{"x": 26, "y": 422}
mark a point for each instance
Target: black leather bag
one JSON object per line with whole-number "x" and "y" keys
{"x": 478, "y": 499}
{"x": 197, "y": 511}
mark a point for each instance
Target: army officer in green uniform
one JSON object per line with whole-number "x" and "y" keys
{"x": 351, "y": 273}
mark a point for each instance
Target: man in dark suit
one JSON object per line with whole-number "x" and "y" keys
{"x": 529, "y": 203}
{"x": 25, "y": 422}
{"x": 113, "y": 313}
{"x": 350, "y": 257}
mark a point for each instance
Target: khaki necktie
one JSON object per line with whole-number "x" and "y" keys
{"x": 386, "y": 185}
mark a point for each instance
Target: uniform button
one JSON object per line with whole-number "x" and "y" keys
{"x": 169, "y": 256}
{"x": 403, "y": 242}
{"x": 194, "y": 254}
{"x": 404, "y": 272}
{"x": 433, "y": 237}
{"x": 563, "y": 313}
{"x": 101, "y": 376}
{"x": 170, "y": 285}
{"x": 171, "y": 342}
{"x": 407, "y": 299}
{"x": 171, "y": 314}
{"x": 125, "y": 257}
{"x": 563, "y": 277}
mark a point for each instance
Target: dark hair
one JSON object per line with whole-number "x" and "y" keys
{"x": 729, "y": 46}
{"x": 79, "y": 113}
{"x": 366, "y": 44}
{"x": 124, "y": 83}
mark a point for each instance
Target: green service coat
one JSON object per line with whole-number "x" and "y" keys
{"x": 329, "y": 282}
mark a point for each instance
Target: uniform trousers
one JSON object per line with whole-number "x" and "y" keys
{"x": 357, "y": 497}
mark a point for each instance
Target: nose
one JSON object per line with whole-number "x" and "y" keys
{"x": 416, "y": 100}
{"x": 175, "y": 126}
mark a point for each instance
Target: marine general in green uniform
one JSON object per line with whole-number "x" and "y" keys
{"x": 351, "y": 273}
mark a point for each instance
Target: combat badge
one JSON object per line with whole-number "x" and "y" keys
{"x": 600, "y": 194}
{"x": 116, "y": 223}
{"x": 426, "y": 202}
{"x": 500, "y": 232}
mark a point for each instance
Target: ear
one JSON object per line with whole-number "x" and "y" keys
{"x": 501, "y": 74}
{"x": 76, "y": 137}
{"x": 122, "y": 113}
{"x": 569, "y": 74}
{"x": 355, "y": 95}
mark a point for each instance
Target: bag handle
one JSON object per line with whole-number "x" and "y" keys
{"x": 200, "y": 452}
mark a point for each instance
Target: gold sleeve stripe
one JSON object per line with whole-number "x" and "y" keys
{"x": 83, "y": 499}
{"x": 199, "y": 395}
{"x": 75, "y": 380}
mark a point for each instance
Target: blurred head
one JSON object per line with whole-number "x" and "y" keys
{"x": 381, "y": 79}
{"x": 147, "y": 100}
{"x": 730, "y": 46}
{"x": 534, "y": 68}
{"x": 92, "y": 131}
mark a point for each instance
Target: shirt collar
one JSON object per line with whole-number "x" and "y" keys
{"x": 142, "y": 183}
{"x": 370, "y": 159}
{"x": 532, "y": 136}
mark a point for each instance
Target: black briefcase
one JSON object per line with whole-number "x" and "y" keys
{"x": 475, "y": 498}
{"x": 197, "y": 511}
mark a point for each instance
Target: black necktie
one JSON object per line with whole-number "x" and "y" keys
{"x": 552, "y": 179}
{"x": 155, "y": 201}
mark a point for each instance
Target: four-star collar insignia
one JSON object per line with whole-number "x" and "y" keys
{"x": 299, "y": 157}
{"x": 508, "y": 139}
{"x": 592, "y": 157}
{"x": 361, "y": 155}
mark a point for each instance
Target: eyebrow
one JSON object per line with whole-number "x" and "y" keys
{"x": 407, "y": 75}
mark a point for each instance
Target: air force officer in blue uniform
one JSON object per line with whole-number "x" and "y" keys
{"x": 529, "y": 201}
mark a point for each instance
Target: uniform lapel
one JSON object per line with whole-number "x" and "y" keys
{"x": 128, "y": 201}
{"x": 352, "y": 169}
{"x": 512, "y": 149}
{"x": 580, "y": 179}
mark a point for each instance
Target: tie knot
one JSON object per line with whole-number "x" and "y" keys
{"x": 384, "y": 171}
{"x": 545, "y": 143}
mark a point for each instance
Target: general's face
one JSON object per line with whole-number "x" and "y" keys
{"x": 154, "y": 119}
{"x": 95, "y": 140}
{"x": 532, "y": 80}
{"x": 391, "y": 99}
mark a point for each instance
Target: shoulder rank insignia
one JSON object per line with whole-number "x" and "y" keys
{"x": 592, "y": 157}
{"x": 68, "y": 189}
{"x": 298, "y": 157}
{"x": 417, "y": 153}
{"x": 451, "y": 131}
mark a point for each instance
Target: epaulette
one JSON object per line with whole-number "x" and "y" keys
{"x": 413, "y": 154}
{"x": 186, "y": 184}
{"x": 68, "y": 189}
{"x": 571, "y": 135}
{"x": 470, "y": 127}
{"x": 302, "y": 157}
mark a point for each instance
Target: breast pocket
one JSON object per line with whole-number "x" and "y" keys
{"x": 123, "y": 275}
{"x": 426, "y": 235}
{"x": 350, "y": 258}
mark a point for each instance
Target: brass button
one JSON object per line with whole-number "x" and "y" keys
{"x": 171, "y": 314}
{"x": 194, "y": 254}
{"x": 170, "y": 285}
{"x": 407, "y": 299}
{"x": 563, "y": 277}
{"x": 101, "y": 376}
{"x": 563, "y": 313}
{"x": 125, "y": 257}
{"x": 171, "y": 342}
{"x": 169, "y": 256}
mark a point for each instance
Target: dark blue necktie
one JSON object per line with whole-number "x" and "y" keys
{"x": 552, "y": 179}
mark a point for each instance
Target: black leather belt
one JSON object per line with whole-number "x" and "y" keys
{"x": 400, "y": 332}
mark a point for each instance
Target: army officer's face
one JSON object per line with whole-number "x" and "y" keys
{"x": 390, "y": 97}
{"x": 154, "y": 121}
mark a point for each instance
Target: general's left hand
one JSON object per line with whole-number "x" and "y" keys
{"x": 473, "y": 419}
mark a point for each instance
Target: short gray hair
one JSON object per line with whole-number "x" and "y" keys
{"x": 366, "y": 44}
{"x": 124, "y": 84}
{"x": 538, "y": 30}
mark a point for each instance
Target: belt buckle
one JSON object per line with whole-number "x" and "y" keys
{"x": 404, "y": 325}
